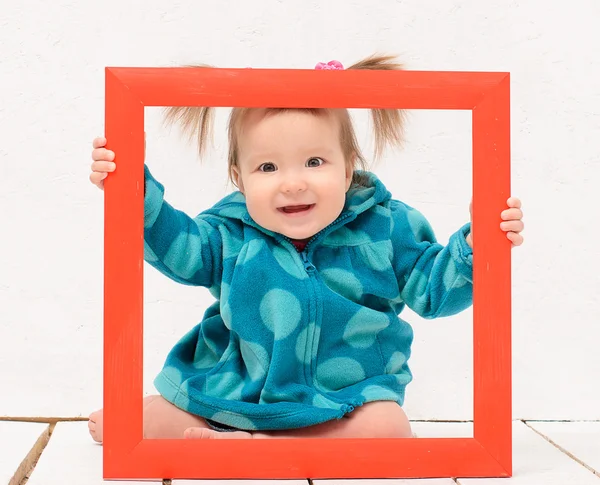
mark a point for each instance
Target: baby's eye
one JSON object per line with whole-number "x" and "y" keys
{"x": 314, "y": 162}
{"x": 267, "y": 167}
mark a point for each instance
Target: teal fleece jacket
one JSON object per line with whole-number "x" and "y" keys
{"x": 299, "y": 338}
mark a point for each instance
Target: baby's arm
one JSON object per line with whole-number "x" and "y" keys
{"x": 184, "y": 249}
{"x": 434, "y": 280}
{"x": 187, "y": 250}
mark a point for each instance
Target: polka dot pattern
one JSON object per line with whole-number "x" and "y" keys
{"x": 362, "y": 329}
{"x": 343, "y": 282}
{"x": 403, "y": 379}
{"x": 322, "y": 402}
{"x": 288, "y": 263}
{"x": 149, "y": 255}
{"x": 256, "y": 359}
{"x": 339, "y": 372}
{"x": 225, "y": 385}
{"x": 252, "y": 249}
{"x": 225, "y": 308}
{"x": 280, "y": 312}
{"x": 231, "y": 245}
{"x": 303, "y": 348}
{"x": 394, "y": 365}
{"x": 186, "y": 267}
{"x": 206, "y": 360}
{"x": 377, "y": 256}
{"x": 419, "y": 226}
{"x": 173, "y": 373}
{"x": 452, "y": 280}
{"x": 418, "y": 283}
{"x": 240, "y": 421}
{"x": 347, "y": 238}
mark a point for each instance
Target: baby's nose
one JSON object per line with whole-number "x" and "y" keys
{"x": 294, "y": 185}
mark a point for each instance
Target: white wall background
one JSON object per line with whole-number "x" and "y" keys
{"x": 52, "y": 59}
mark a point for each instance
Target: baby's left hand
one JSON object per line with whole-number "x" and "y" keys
{"x": 512, "y": 222}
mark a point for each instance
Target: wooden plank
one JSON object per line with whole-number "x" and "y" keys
{"x": 580, "y": 439}
{"x": 538, "y": 462}
{"x": 240, "y": 482}
{"x": 388, "y": 481}
{"x": 71, "y": 457}
{"x": 20, "y": 445}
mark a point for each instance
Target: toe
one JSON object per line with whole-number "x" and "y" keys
{"x": 95, "y": 425}
{"x": 93, "y": 432}
{"x": 196, "y": 433}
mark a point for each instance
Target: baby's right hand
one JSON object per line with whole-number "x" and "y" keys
{"x": 102, "y": 162}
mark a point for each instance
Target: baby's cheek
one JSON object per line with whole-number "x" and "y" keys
{"x": 337, "y": 199}
{"x": 258, "y": 208}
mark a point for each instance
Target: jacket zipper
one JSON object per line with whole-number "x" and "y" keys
{"x": 315, "y": 302}
{"x": 314, "y": 307}
{"x": 308, "y": 266}
{"x": 315, "y": 315}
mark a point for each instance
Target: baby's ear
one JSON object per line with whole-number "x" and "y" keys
{"x": 349, "y": 174}
{"x": 237, "y": 178}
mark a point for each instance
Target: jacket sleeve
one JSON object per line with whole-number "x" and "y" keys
{"x": 434, "y": 280}
{"x": 187, "y": 250}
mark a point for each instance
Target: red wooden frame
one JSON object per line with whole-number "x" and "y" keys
{"x": 127, "y": 455}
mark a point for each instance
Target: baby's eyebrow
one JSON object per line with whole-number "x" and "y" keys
{"x": 258, "y": 158}
{"x": 320, "y": 148}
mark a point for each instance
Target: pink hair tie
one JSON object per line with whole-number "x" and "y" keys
{"x": 331, "y": 65}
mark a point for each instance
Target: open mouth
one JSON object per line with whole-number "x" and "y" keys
{"x": 296, "y": 209}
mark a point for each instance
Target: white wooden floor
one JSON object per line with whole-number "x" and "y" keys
{"x": 545, "y": 453}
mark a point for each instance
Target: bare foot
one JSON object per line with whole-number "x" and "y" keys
{"x": 211, "y": 434}
{"x": 162, "y": 420}
{"x": 95, "y": 425}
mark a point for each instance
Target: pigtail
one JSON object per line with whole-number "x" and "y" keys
{"x": 195, "y": 122}
{"x": 388, "y": 124}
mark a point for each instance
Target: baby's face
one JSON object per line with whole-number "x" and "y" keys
{"x": 292, "y": 171}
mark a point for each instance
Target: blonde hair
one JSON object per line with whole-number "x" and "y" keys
{"x": 388, "y": 124}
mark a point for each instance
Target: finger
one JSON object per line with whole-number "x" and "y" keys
{"x": 103, "y": 166}
{"x": 511, "y": 214}
{"x": 99, "y": 142}
{"x": 103, "y": 154}
{"x": 514, "y": 202}
{"x": 515, "y": 238}
{"x": 97, "y": 178}
{"x": 514, "y": 226}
